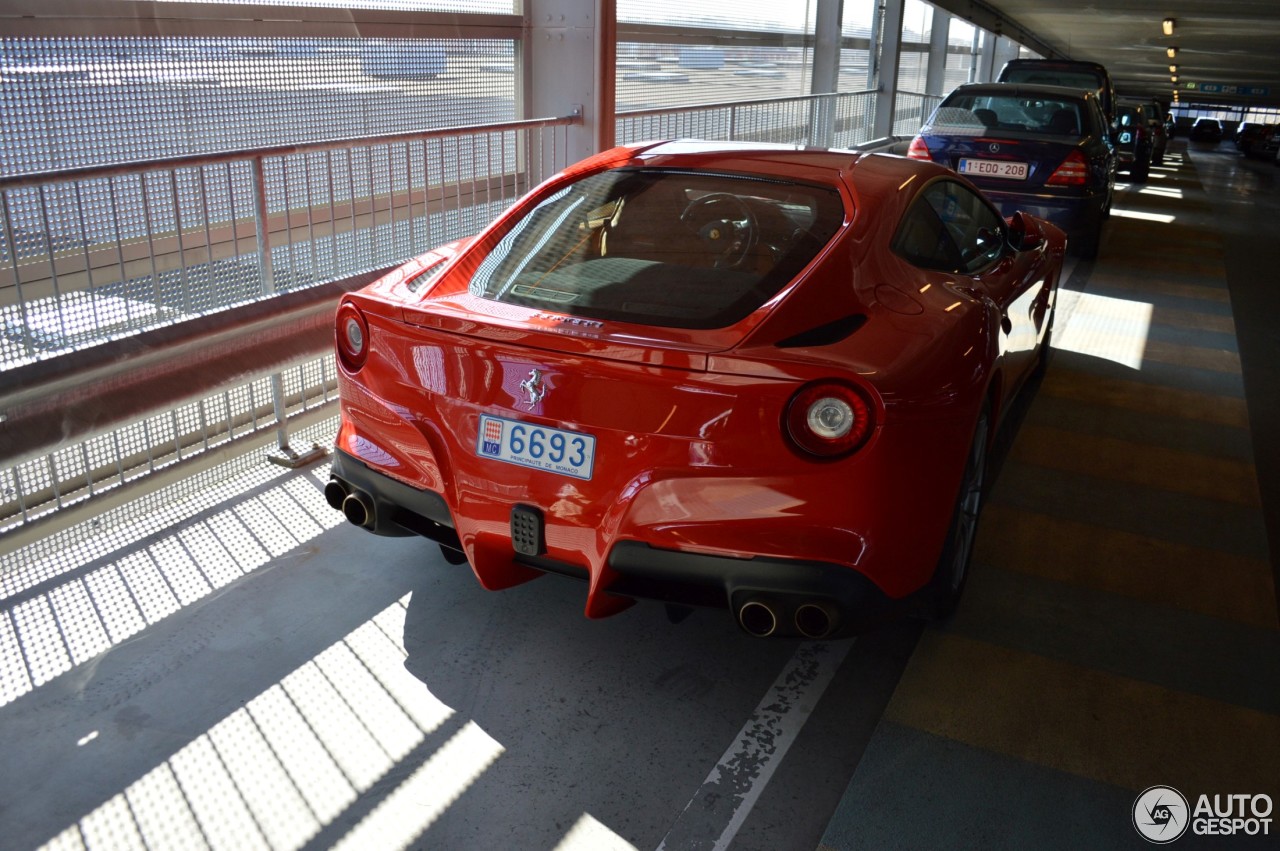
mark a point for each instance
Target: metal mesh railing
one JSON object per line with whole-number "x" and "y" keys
{"x": 833, "y": 120}
{"x": 826, "y": 120}
{"x": 69, "y": 102}
{"x": 91, "y": 253}
{"x": 102, "y": 463}
{"x": 911, "y": 110}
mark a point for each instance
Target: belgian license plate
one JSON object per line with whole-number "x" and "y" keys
{"x": 554, "y": 450}
{"x": 994, "y": 168}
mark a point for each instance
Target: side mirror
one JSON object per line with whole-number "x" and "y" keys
{"x": 1024, "y": 235}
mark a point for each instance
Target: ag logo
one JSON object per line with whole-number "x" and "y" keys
{"x": 1161, "y": 815}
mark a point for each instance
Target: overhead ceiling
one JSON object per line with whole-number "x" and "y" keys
{"x": 1225, "y": 43}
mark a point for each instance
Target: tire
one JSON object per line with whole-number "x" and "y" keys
{"x": 1140, "y": 173}
{"x": 952, "y": 572}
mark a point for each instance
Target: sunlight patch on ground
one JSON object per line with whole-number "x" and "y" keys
{"x": 274, "y": 773}
{"x": 1110, "y": 328}
{"x": 67, "y": 607}
{"x": 588, "y": 834}
{"x": 1146, "y": 217}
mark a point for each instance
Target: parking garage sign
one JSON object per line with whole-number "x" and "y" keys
{"x": 1227, "y": 89}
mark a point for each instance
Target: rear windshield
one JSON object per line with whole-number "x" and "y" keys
{"x": 980, "y": 113}
{"x": 1054, "y": 77}
{"x": 659, "y": 247}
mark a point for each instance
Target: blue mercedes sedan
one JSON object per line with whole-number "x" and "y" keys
{"x": 1045, "y": 150}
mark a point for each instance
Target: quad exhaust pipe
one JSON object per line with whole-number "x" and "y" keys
{"x": 335, "y": 492}
{"x": 763, "y": 617}
{"x": 356, "y": 506}
{"x": 816, "y": 619}
{"x": 358, "y": 509}
{"x": 758, "y": 617}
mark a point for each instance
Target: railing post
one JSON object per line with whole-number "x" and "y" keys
{"x": 27, "y": 342}
{"x": 284, "y": 454}
{"x": 265, "y": 277}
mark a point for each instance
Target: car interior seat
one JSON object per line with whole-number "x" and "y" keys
{"x": 1063, "y": 123}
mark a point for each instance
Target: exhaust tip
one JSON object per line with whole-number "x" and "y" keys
{"x": 335, "y": 493}
{"x": 358, "y": 509}
{"x": 758, "y": 618}
{"x": 816, "y": 620}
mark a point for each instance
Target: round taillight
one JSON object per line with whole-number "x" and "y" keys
{"x": 353, "y": 337}
{"x": 828, "y": 419}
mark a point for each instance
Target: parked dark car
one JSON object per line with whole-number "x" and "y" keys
{"x": 1268, "y": 146}
{"x": 1249, "y": 136}
{"x": 1160, "y": 134}
{"x": 1062, "y": 72}
{"x": 1206, "y": 130}
{"x": 1042, "y": 149}
{"x": 1133, "y": 139}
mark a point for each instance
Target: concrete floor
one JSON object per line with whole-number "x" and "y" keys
{"x": 234, "y": 669}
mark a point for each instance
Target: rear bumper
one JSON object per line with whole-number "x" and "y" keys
{"x": 398, "y": 509}
{"x": 636, "y": 570}
{"x": 710, "y": 580}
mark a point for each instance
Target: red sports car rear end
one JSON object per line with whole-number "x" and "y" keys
{"x": 696, "y": 375}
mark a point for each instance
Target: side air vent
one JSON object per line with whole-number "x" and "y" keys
{"x": 825, "y": 335}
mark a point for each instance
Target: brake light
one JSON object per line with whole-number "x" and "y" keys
{"x": 352, "y": 337}
{"x": 829, "y": 419}
{"x": 1074, "y": 171}
{"x": 918, "y": 149}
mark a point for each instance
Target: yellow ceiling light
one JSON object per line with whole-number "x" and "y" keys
{"x": 1171, "y": 52}
{"x": 1173, "y": 78}
{"x": 1168, "y": 26}
{"x": 1173, "y": 69}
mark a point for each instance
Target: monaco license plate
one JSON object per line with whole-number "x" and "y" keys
{"x": 554, "y": 450}
{"x": 994, "y": 168}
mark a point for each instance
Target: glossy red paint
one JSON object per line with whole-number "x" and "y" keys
{"x": 692, "y": 453}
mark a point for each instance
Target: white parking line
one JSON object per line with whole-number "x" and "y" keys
{"x": 712, "y": 818}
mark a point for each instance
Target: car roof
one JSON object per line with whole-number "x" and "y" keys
{"x": 1023, "y": 89}
{"x": 783, "y": 161}
{"x": 1056, "y": 63}
{"x": 875, "y": 178}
